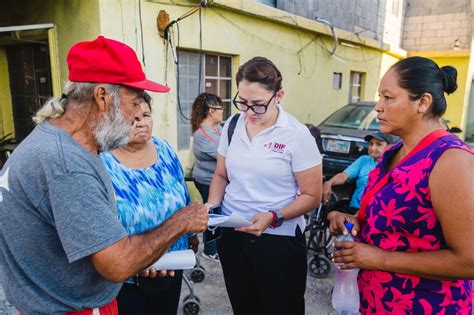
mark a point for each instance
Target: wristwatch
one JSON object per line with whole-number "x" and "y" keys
{"x": 277, "y": 218}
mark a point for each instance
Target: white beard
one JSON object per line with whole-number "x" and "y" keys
{"x": 112, "y": 131}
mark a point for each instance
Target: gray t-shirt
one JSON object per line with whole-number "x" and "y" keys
{"x": 57, "y": 208}
{"x": 205, "y": 142}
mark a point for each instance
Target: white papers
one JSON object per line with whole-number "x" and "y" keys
{"x": 233, "y": 221}
{"x": 178, "y": 260}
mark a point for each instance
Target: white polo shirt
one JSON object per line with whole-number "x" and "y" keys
{"x": 260, "y": 171}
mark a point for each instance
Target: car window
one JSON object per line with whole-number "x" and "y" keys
{"x": 354, "y": 117}
{"x": 371, "y": 122}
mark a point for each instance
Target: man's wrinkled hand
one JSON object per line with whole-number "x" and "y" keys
{"x": 195, "y": 216}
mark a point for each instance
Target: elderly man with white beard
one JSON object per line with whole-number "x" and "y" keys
{"x": 62, "y": 248}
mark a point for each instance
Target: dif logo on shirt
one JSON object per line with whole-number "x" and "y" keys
{"x": 275, "y": 147}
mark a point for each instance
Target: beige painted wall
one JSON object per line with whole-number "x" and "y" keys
{"x": 458, "y": 102}
{"x": 6, "y": 116}
{"x": 309, "y": 95}
{"x": 75, "y": 20}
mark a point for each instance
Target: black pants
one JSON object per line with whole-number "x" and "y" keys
{"x": 264, "y": 275}
{"x": 210, "y": 248}
{"x": 151, "y": 296}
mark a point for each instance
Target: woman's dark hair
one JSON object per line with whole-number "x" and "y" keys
{"x": 260, "y": 70}
{"x": 419, "y": 75}
{"x": 201, "y": 106}
{"x": 147, "y": 99}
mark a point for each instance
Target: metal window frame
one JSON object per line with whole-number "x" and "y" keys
{"x": 356, "y": 79}
{"x": 203, "y": 78}
{"x": 334, "y": 75}
{"x": 218, "y": 77}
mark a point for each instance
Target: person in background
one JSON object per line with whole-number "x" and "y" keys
{"x": 359, "y": 170}
{"x": 316, "y": 133}
{"x": 417, "y": 211}
{"x": 257, "y": 176}
{"x": 62, "y": 248}
{"x": 149, "y": 186}
{"x": 206, "y": 119}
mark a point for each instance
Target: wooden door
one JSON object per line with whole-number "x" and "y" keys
{"x": 30, "y": 83}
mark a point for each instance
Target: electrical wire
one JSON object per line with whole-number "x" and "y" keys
{"x": 252, "y": 34}
{"x": 176, "y": 54}
{"x": 317, "y": 40}
{"x": 200, "y": 52}
{"x": 135, "y": 23}
{"x": 141, "y": 31}
{"x": 121, "y": 15}
{"x": 178, "y": 4}
{"x": 180, "y": 108}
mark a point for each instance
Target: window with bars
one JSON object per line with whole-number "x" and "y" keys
{"x": 216, "y": 78}
{"x": 355, "y": 88}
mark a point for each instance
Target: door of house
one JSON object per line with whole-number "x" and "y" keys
{"x": 30, "y": 83}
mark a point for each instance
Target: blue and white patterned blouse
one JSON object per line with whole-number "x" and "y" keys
{"x": 147, "y": 197}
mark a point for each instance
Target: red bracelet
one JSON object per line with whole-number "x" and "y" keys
{"x": 275, "y": 216}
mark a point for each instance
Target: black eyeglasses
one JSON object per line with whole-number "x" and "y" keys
{"x": 257, "y": 108}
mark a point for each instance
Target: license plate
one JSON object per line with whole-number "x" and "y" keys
{"x": 338, "y": 146}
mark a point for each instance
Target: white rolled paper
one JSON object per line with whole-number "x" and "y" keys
{"x": 178, "y": 260}
{"x": 233, "y": 221}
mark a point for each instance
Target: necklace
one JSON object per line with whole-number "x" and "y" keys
{"x": 216, "y": 130}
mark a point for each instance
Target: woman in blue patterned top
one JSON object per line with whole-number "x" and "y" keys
{"x": 149, "y": 185}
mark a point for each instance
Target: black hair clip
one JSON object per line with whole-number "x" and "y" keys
{"x": 64, "y": 96}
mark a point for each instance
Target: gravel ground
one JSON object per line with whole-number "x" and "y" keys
{"x": 213, "y": 295}
{"x": 214, "y": 300}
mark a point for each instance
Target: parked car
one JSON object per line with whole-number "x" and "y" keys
{"x": 343, "y": 135}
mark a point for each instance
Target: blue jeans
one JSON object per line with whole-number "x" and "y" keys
{"x": 211, "y": 247}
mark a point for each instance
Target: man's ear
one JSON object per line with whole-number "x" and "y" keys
{"x": 102, "y": 98}
{"x": 424, "y": 103}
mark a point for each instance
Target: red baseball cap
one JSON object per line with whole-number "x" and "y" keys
{"x": 104, "y": 60}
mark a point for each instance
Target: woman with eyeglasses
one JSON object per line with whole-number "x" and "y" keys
{"x": 270, "y": 157}
{"x": 206, "y": 121}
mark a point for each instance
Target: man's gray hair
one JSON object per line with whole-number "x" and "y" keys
{"x": 80, "y": 92}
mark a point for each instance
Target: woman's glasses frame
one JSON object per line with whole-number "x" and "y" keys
{"x": 256, "y": 108}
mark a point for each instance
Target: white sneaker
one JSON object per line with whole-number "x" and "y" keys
{"x": 214, "y": 257}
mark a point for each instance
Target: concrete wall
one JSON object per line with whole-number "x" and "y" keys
{"x": 437, "y": 25}
{"x": 393, "y": 22}
{"x": 364, "y": 17}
